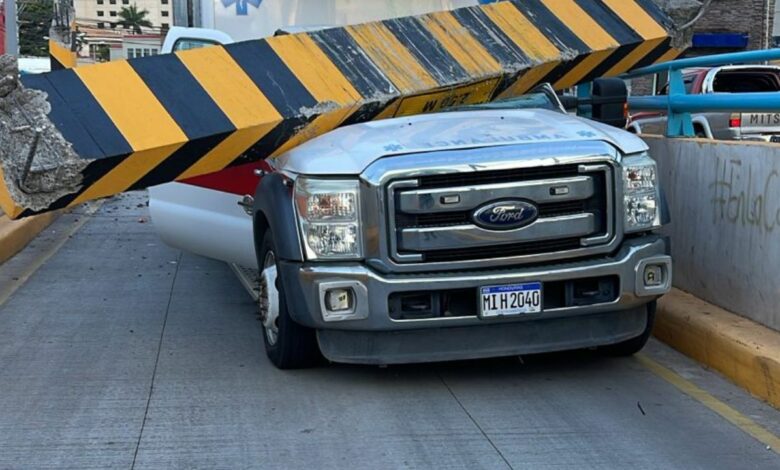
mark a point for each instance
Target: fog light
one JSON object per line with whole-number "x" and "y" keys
{"x": 654, "y": 275}
{"x": 339, "y": 300}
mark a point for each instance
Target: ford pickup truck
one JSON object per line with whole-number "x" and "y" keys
{"x": 502, "y": 229}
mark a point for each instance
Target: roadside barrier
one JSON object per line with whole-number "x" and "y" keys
{"x": 127, "y": 125}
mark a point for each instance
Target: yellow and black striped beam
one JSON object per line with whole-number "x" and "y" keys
{"x": 61, "y": 56}
{"x": 152, "y": 120}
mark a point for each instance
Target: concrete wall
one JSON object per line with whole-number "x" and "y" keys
{"x": 724, "y": 199}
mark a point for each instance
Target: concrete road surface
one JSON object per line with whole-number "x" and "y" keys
{"x": 117, "y": 351}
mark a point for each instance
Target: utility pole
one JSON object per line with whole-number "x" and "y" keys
{"x": 11, "y": 31}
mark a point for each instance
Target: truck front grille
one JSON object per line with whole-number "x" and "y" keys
{"x": 574, "y": 205}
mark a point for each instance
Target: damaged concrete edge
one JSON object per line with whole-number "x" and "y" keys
{"x": 744, "y": 351}
{"x": 37, "y": 164}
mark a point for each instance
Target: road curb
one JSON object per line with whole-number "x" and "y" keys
{"x": 16, "y": 234}
{"x": 742, "y": 350}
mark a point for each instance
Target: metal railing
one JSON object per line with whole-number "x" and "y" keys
{"x": 679, "y": 105}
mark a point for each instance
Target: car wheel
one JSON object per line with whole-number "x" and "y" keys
{"x": 633, "y": 345}
{"x": 287, "y": 344}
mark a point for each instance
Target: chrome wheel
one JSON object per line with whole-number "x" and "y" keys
{"x": 269, "y": 299}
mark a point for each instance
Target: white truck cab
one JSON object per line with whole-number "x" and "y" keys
{"x": 500, "y": 229}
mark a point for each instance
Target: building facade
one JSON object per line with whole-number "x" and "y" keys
{"x": 734, "y": 25}
{"x": 105, "y": 13}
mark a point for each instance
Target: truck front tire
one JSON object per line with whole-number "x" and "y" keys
{"x": 287, "y": 344}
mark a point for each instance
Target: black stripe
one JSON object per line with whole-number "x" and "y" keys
{"x": 83, "y": 108}
{"x": 549, "y": 24}
{"x": 271, "y": 75}
{"x": 182, "y": 96}
{"x": 64, "y": 120}
{"x": 610, "y": 62}
{"x": 274, "y": 139}
{"x": 350, "y": 59}
{"x": 367, "y": 112}
{"x": 655, "y": 54}
{"x": 179, "y": 161}
{"x": 561, "y": 70}
{"x": 92, "y": 173}
{"x": 427, "y": 50}
{"x": 609, "y": 20}
{"x": 656, "y": 13}
{"x": 491, "y": 37}
{"x": 54, "y": 63}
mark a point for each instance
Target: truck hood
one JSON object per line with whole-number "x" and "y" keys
{"x": 350, "y": 149}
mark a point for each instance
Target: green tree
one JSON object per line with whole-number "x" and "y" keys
{"x": 132, "y": 18}
{"x": 34, "y": 21}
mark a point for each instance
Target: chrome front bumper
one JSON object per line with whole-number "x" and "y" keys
{"x": 305, "y": 286}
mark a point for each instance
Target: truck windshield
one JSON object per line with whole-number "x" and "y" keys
{"x": 528, "y": 101}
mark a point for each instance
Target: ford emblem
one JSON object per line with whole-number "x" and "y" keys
{"x": 505, "y": 215}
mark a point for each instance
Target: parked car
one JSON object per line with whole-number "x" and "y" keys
{"x": 720, "y": 125}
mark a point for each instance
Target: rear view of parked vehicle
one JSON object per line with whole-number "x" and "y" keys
{"x": 759, "y": 126}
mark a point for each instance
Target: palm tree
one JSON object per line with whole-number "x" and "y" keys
{"x": 132, "y": 18}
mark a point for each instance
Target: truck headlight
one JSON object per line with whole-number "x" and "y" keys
{"x": 640, "y": 194}
{"x": 329, "y": 218}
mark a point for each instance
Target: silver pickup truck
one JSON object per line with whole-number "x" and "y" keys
{"x": 493, "y": 230}
{"x": 718, "y": 125}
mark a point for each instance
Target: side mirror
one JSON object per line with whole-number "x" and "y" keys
{"x": 610, "y": 102}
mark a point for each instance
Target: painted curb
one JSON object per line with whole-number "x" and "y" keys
{"x": 742, "y": 350}
{"x": 16, "y": 234}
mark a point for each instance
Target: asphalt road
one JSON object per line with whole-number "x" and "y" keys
{"x": 117, "y": 351}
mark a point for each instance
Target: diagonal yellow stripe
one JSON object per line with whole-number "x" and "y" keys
{"x": 321, "y": 124}
{"x": 392, "y": 58}
{"x": 461, "y": 45}
{"x": 576, "y": 74}
{"x": 226, "y": 151}
{"x": 521, "y": 31}
{"x": 671, "y": 54}
{"x": 528, "y": 79}
{"x": 314, "y": 69}
{"x": 62, "y": 54}
{"x": 581, "y": 24}
{"x": 131, "y": 105}
{"x": 633, "y": 14}
{"x": 630, "y": 60}
{"x": 229, "y": 86}
{"x": 124, "y": 175}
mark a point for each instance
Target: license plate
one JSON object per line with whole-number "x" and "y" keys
{"x": 514, "y": 299}
{"x": 760, "y": 119}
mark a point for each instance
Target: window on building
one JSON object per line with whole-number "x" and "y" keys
{"x": 165, "y": 26}
{"x": 99, "y": 2}
{"x": 101, "y": 24}
{"x": 155, "y": 52}
{"x": 125, "y": 2}
{"x": 113, "y": 2}
{"x": 100, "y": 13}
{"x": 164, "y": 13}
{"x": 112, "y": 13}
{"x": 146, "y": 52}
{"x": 130, "y": 53}
{"x": 164, "y": 2}
{"x": 138, "y": 52}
